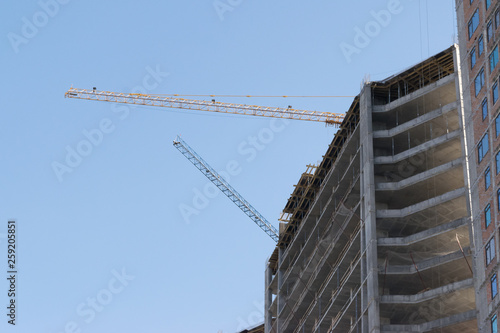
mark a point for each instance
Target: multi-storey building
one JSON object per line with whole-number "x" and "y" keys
{"x": 478, "y": 32}
{"x": 256, "y": 329}
{"x": 377, "y": 237}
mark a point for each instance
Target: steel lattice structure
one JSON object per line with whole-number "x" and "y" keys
{"x": 226, "y": 188}
{"x": 329, "y": 118}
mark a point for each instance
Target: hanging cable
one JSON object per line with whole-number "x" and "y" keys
{"x": 463, "y": 253}
{"x": 420, "y": 276}
{"x": 258, "y": 96}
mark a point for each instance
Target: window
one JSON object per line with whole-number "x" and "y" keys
{"x": 494, "y": 328}
{"x": 473, "y": 23}
{"x": 497, "y": 158}
{"x": 493, "y": 59}
{"x": 480, "y": 45}
{"x": 472, "y": 57}
{"x": 497, "y": 19}
{"x": 494, "y": 289}
{"x": 484, "y": 107}
{"x": 494, "y": 92}
{"x": 482, "y": 147}
{"x": 489, "y": 250}
{"x": 498, "y": 199}
{"x": 487, "y": 178}
{"x": 488, "y": 3}
{"x": 497, "y": 125}
{"x": 487, "y": 216}
{"x": 479, "y": 81}
{"x": 489, "y": 31}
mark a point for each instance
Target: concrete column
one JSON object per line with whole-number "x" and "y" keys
{"x": 268, "y": 299}
{"x": 470, "y": 168}
{"x": 280, "y": 301}
{"x": 368, "y": 212}
{"x": 364, "y": 302}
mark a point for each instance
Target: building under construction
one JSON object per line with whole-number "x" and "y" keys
{"x": 377, "y": 237}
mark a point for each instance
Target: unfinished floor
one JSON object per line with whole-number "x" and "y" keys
{"x": 376, "y": 238}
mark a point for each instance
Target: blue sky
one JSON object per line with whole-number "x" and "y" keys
{"x": 102, "y": 243}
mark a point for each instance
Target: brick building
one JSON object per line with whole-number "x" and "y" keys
{"x": 478, "y": 32}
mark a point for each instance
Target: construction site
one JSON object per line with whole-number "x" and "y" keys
{"x": 379, "y": 211}
{"x": 377, "y": 236}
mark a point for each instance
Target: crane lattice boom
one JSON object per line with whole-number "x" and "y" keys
{"x": 213, "y": 106}
{"x": 227, "y": 189}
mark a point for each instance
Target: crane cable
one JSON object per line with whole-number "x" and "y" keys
{"x": 285, "y": 96}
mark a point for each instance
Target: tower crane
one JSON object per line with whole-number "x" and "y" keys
{"x": 329, "y": 118}
{"x": 226, "y": 188}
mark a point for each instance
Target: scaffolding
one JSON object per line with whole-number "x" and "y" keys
{"x": 376, "y": 237}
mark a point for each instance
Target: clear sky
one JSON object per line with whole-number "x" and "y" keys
{"x": 97, "y": 190}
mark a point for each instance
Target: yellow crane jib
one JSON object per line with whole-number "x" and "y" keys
{"x": 200, "y": 105}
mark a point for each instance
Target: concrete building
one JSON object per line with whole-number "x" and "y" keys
{"x": 257, "y": 329}
{"x": 478, "y": 31}
{"x": 377, "y": 237}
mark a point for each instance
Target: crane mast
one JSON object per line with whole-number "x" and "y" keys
{"x": 226, "y": 188}
{"x": 213, "y": 106}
